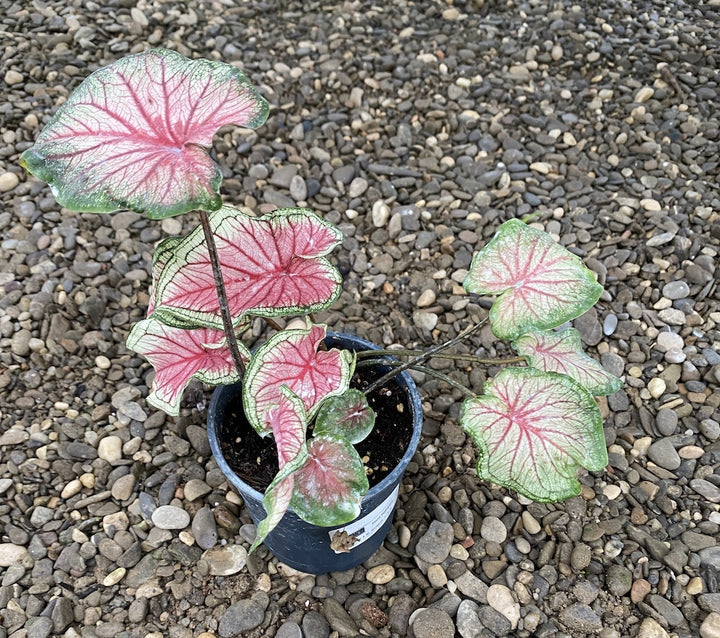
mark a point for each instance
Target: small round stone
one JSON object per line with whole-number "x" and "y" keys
{"x": 227, "y": 560}
{"x": 170, "y": 517}
{"x": 110, "y": 449}
{"x": 8, "y": 180}
{"x": 381, "y": 574}
{"x": 493, "y": 529}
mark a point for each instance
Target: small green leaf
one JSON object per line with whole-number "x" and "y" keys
{"x": 534, "y": 430}
{"x": 541, "y": 284}
{"x": 348, "y": 416}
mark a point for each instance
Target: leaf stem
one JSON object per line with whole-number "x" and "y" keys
{"x": 429, "y": 371}
{"x": 422, "y": 358}
{"x": 404, "y": 352}
{"x": 222, "y": 295}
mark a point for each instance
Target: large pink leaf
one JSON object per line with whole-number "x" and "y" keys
{"x": 541, "y": 284}
{"x": 133, "y": 135}
{"x": 330, "y": 485}
{"x": 562, "y": 352}
{"x": 179, "y": 355}
{"x": 290, "y": 358}
{"x": 534, "y": 430}
{"x": 272, "y": 265}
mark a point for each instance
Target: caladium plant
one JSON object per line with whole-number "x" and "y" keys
{"x": 135, "y": 135}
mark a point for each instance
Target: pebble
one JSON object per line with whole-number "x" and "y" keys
{"x": 668, "y": 340}
{"x": 656, "y": 387}
{"x": 244, "y": 615}
{"x": 676, "y": 290}
{"x": 204, "y": 528}
{"x": 434, "y": 546}
{"x": 381, "y": 574}
{"x": 493, "y": 529}
{"x": 433, "y": 623}
{"x": 170, "y": 517}
{"x": 530, "y": 523}
{"x": 651, "y": 628}
{"x": 579, "y": 617}
{"x": 11, "y": 554}
{"x": 501, "y": 599}
{"x": 122, "y": 488}
{"x": 663, "y": 453}
{"x": 226, "y": 560}
{"x": 710, "y": 627}
{"x": 110, "y": 449}
{"x": 8, "y": 181}
{"x": 666, "y": 421}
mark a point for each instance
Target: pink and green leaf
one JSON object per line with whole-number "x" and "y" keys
{"x": 330, "y": 485}
{"x": 562, "y": 352}
{"x": 534, "y": 430}
{"x": 288, "y": 422}
{"x": 179, "y": 355}
{"x": 278, "y": 496}
{"x": 134, "y": 135}
{"x": 348, "y": 416}
{"x": 291, "y": 358}
{"x": 272, "y": 265}
{"x": 540, "y": 284}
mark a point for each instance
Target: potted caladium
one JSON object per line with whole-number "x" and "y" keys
{"x": 135, "y": 135}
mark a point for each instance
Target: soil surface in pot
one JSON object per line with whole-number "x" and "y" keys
{"x": 254, "y": 459}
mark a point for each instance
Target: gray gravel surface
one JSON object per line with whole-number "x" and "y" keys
{"x": 417, "y": 127}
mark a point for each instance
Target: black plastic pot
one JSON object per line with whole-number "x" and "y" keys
{"x": 299, "y": 544}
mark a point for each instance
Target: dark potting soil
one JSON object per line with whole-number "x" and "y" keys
{"x": 254, "y": 458}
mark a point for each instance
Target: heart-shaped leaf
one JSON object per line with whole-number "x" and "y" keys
{"x": 179, "y": 355}
{"x": 348, "y": 416}
{"x": 330, "y": 485}
{"x": 562, "y": 352}
{"x": 533, "y": 431}
{"x": 133, "y": 135}
{"x": 541, "y": 284}
{"x": 272, "y": 265}
{"x": 291, "y": 358}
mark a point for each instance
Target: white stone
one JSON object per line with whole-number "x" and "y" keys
{"x": 644, "y": 94}
{"x": 426, "y": 298}
{"x": 530, "y": 523}
{"x": 11, "y": 554}
{"x": 72, "y": 488}
{"x": 381, "y": 574}
{"x": 13, "y": 77}
{"x": 380, "y": 213}
{"x": 110, "y": 449}
{"x": 667, "y": 340}
{"x": 710, "y": 627}
{"x": 227, "y": 560}
{"x": 656, "y": 387}
{"x": 501, "y": 599}
{"x": 170, "y": 517}
{"x": 651, "y": 629}
{"x": 8, "y": 181}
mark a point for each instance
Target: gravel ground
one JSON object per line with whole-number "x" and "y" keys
{"x": 417, "y": 127}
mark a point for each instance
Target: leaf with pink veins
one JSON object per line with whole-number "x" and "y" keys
{"x": 178, "y": 355}
{"x": 540, "y": 284}
{"x": 272, "y": 265}
{"x": 288, "y": 421}
{"x": 291, "y": 358}
{"x": 330, "y": 485}
{"x": 562, "y": 352}
{"x": 134, "y": 135}
{"x": 534, "y": 430}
